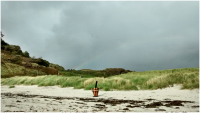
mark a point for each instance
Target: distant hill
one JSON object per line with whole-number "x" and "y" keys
{"x": 15, "y": 62}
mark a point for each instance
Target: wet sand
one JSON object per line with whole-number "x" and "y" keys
{"x": 55, "y": 99}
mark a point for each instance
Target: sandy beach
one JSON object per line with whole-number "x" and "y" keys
{"x": 55, "y": 99}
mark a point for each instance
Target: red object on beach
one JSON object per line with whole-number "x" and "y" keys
{"x": 95, "y": 91}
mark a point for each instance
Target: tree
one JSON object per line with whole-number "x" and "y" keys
{"x": 43, "y": 62}
{"x": 3, "y": 43}
{"x": 2, "y": 34}
{"x": 26, "y": 54}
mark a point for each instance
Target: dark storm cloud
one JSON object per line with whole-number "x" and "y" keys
{"x": 97, "y": 35}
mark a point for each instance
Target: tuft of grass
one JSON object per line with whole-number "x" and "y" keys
{"x": 188, "y": 80}
{"x": 12, "y": 86}
{"x": 89, "y": 87}
{"x": 107, "y": 89}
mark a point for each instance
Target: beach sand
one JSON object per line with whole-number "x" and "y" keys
{"x": 55, "y": 99}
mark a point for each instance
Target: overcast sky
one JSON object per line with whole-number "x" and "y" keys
{"x": 133, "y": 35}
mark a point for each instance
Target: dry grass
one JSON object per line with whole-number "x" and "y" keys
{"x": 91, "y": 81}
{"x": 109, "y": 83}
{"x": 10, "y": 69}
{"x": 188, "y": 77}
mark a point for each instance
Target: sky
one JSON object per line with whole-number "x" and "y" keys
{"x": 134, "y": 35}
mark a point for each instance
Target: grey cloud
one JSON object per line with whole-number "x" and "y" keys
{"x": 132, "y": 35}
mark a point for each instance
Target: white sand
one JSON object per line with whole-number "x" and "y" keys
{"x": 40, "y": 104}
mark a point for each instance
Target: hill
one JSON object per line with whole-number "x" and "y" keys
{"x": 15, "y": 62}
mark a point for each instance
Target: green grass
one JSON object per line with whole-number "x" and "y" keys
{"x": 10, "y": 69}
{"x": 11, "y": 86}
{"x": 106, "y": 88}
{"x": 110, "y": 83}
{"x": 71, "y": 74}
{"x": 47, "y": 80}
{"x": 189, "y": 81}
{"x": 188, "y": 77}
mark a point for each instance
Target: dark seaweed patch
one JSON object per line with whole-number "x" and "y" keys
{"x": 110, "y": 101}
{"x": 153, "y": 105}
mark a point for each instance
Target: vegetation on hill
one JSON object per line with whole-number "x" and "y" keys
{"x": 187, "y": 77}
{"x": 56, "y": 66}
{"x": 95, "y": 73}
{"x": 14, "y": 62}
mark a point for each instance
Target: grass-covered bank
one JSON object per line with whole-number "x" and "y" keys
{"x": 188, "y": 77}
{"x": 47, "y": 80}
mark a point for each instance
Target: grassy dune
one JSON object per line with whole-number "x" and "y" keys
{"x": 188, "y": 77}
{"x": 11, "y": 69}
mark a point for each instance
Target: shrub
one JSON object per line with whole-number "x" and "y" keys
{"x": 107, "y": 89}
{"x": 3, "y": 43}
{"x": 26, "y": 54}
{"x": 35, "y": 65}
{"x": 56, "y": 66}
{"x": 41, "y": 61}
{"x": 12, "y": 86}
{"x": 49, "y": 71}
{"x": 9, "y": 48}
{"x": 16, "y": 50}
{"x": 16, "y": 59}
{"x": 3, "y": 56}
{"x": 28, "y": 64}
{"x": 114, "y": 71}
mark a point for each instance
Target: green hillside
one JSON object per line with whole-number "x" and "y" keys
{"x": 14, "y": 62}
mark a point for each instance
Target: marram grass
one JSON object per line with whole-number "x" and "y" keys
{"x": 9, "y": 69}
{"x": 188, "y": 77}
{"x": 110, "y": 83}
